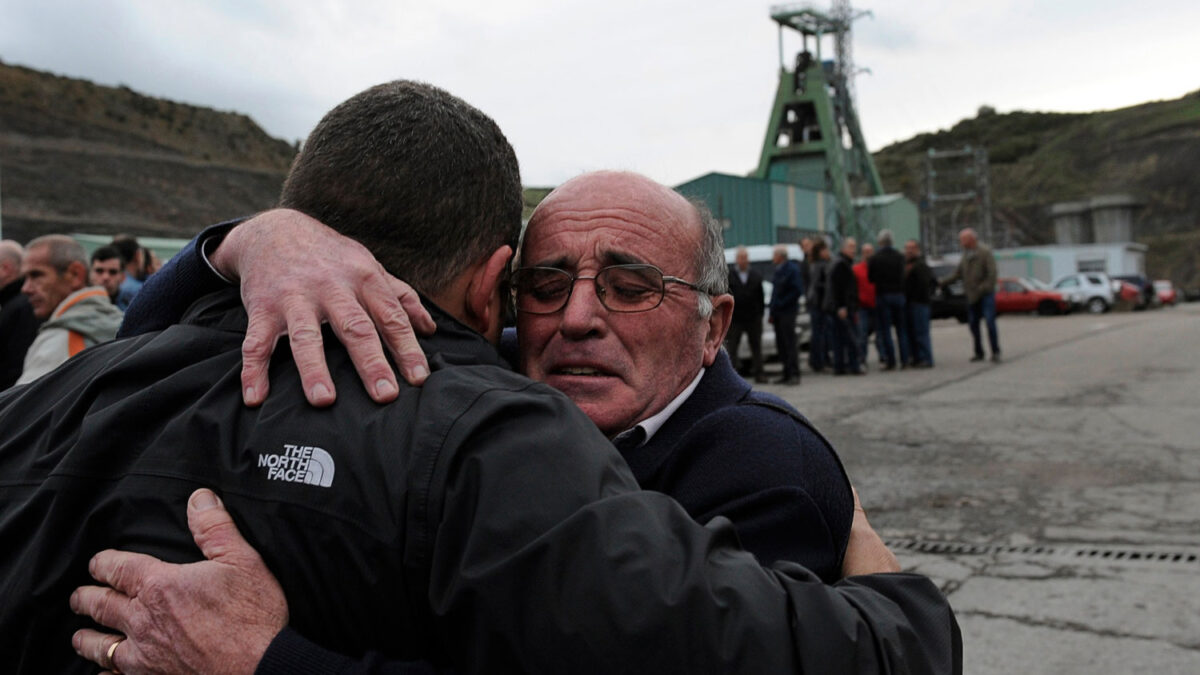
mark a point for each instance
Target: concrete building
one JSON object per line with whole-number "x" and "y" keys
{"x": 1105, "y": 219}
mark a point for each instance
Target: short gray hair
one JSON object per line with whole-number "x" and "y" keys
{"x": 62, "y": 251}
{"x": 712, "y": 276}
{"x": 884, "y": 238}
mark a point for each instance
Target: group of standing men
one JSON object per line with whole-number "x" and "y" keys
{"x": 53, "y": 304}
{"x": 886, "y": 293}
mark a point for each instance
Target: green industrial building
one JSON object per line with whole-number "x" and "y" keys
{"x": 758, "y": 211}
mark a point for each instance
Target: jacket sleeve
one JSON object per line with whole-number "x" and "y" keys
{"x": 953, "y": 276}
{"x": 168, "y": 293}
{"x": 292, "y": 654}
{"x": 546, "y": 558}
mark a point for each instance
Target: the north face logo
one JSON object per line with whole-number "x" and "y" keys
{"x": 299, "y": 464}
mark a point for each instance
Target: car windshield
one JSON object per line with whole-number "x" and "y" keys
{"x": 1038, "y": 284}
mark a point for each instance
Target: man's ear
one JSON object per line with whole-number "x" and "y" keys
{"x": 484, "y": 304}
{"x": 718, "y": 326}
{"x": 77, "y": 272}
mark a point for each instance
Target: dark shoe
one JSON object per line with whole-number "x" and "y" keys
{"x": 837, "y": 372}
{"x": 782, "y": 380}
{"x": 791, "y": 381}
{"x": 976, "y": 358}
{"x": 922, "y": 364}
{"x": 996, "y": 357}
{"x": 760, "y": 379}
{"x": 860, "y": 371}
{"x": 889, "y": 366}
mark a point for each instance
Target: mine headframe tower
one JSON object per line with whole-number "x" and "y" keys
{"x": 813, "y": 137}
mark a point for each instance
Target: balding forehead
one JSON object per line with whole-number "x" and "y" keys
{"x": 626, "y": 196}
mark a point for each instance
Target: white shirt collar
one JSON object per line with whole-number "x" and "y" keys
{"x": 652, "y": 424}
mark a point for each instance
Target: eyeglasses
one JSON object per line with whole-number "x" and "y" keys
{"x": 620, "y": 288}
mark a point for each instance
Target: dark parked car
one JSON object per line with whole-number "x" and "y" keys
{"x": 950, "y": 301}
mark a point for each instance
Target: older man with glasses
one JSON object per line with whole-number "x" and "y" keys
{"x": 638, "y": 349}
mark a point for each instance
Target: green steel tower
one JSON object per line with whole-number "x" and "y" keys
{"x": 813, "y": 137}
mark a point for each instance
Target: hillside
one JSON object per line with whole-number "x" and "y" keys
{"x": 1151, "y": 151}
{"x": 79, "y": 157}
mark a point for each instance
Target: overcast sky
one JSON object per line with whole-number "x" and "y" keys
{"x": 670, "y": 88}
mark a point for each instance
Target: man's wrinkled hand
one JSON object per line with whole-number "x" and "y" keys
{"x": 295, "y": 274}
{"x": 214, "y": 616}
{"x": 866, "y": 553}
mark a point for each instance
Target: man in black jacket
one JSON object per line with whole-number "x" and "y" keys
{"x": 746, "y": 287}
{"x": 919, "y": 283}
{"x": 841, "y": 305}
{"x": 885, "y": 269}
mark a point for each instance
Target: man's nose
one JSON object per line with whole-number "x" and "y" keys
{"x": 584, "y": 314}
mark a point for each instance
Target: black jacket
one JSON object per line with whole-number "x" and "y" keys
{"x": 919, "y": 282}
{"x": 748, "y": 301}
{"x": 18, "y": 328}
{"x": 842, "y": 286}
{"x": 818, "y": 272}
{"x": 479, "y": 521}
{"x": 779, "y": 479}
{"x": 885, "y": 269}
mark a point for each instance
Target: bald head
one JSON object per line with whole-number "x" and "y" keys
{"x": 10, "y": 261}
{"x": 639, "y": 202}
{"x": 967, "y": 238}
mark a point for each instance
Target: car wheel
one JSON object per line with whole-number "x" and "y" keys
{"x": 1047, "y": 308}
{"x": 1097, "y": 306}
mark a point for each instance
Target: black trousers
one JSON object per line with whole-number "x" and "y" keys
{"x": 785, "y": 341}
{"x": 753, "y": 332}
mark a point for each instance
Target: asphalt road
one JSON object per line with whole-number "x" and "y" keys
{"x": 1055, "y": 497}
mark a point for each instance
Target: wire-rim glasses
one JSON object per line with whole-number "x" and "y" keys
{"x": 620, "y": 288}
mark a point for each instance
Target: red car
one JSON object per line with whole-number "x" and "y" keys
{"x": 1015, "y": 294}
{"x": 1166, "y": 292}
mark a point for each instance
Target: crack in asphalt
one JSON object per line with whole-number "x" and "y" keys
{"x": 1075, "y": 627}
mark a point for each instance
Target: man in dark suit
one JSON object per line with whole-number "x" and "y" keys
{"x": 745, "y": 285}
{"x": 841, "y": 306}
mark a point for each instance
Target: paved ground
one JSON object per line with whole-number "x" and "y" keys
{"x": 1055, "y": 497}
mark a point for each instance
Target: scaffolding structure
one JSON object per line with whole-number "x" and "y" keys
{"x": 957, "y": 195}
